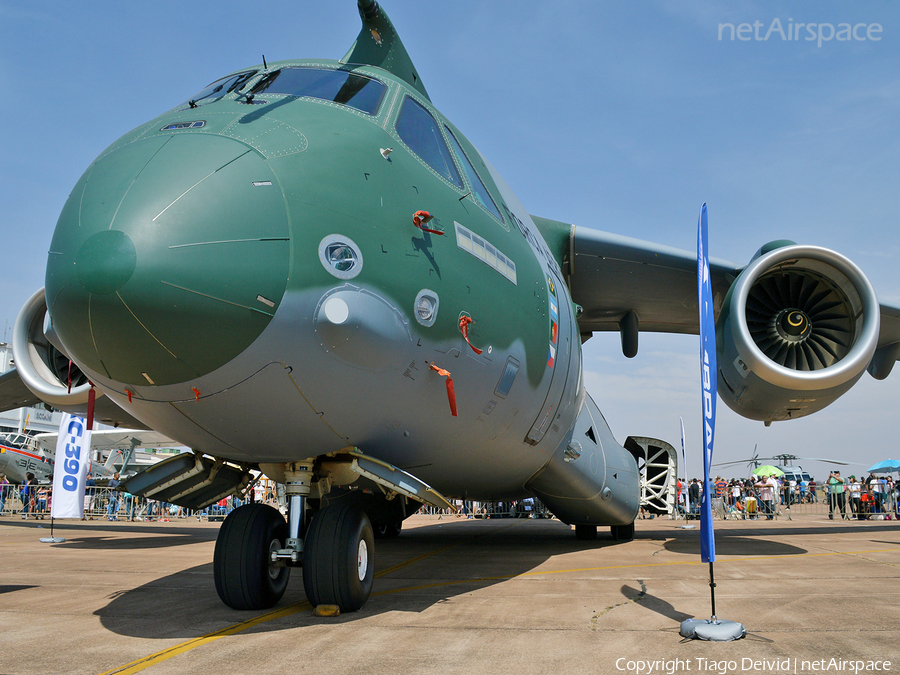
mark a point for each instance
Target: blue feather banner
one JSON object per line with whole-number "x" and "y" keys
{"x": 708, "y": 382}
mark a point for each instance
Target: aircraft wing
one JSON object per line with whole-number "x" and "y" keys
{"x": 13, "y": 392}
{"x": 888, "y": 351}
{"x": 611, "y": 275}
{"x": 629, "y": 285}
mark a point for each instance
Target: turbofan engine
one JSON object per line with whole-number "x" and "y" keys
{"x": 797, "y": 330}
{"x": 44, "y": 368}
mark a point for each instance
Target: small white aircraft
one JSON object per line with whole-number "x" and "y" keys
{"x": 119, "y": 447}
{"x": 21, "y": 454}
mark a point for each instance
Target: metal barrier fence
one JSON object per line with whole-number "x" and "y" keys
{"x": 520, "y": 508}
{"x": 864, "y": 505}
{"x": 101, "y": 503}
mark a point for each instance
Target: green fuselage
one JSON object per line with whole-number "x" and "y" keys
{"x": 244, "y": 273}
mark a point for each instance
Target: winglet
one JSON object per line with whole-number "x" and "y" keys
{"x": 379, "y": 45}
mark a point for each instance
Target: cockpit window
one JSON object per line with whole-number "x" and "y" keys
{"x": 481, "y": 193}
{"x": 221, "y": 88}
{"x": 339, "y": 86}
{"x": 420, "y": 132}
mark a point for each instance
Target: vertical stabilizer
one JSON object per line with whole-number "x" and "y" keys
{"x": 379, "y": 45}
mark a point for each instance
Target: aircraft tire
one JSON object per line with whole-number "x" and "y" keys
{"x": 622, "y": 532}
{"x": 388, "y": 530}
{"x": 245, "y": 579}
{"x": 585, "y": 532}
{"x": 339, "y": 558}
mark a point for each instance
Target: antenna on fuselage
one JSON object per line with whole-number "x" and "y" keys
{"x": 265, "y": 65}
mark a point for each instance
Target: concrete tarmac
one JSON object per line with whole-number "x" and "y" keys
{"x": 504, "y": 596}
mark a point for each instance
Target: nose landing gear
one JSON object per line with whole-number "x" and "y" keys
{"x": 245, "y": 576}
{"x": 338, "y": 558}
{"x": 339, "y": 561}
{"x": 256, "y": 548}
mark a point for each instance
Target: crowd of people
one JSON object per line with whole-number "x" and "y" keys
{"x": 852, "y": 497}
{"x": 33, "y": 500}
{"x": 760, "y": 496}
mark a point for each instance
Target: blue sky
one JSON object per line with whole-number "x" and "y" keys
{"x": 623, "y": 116}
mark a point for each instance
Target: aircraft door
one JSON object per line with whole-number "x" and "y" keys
{"x": 560, "y": 355}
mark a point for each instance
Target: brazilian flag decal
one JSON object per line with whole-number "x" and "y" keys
{"x": 554, "y": 322}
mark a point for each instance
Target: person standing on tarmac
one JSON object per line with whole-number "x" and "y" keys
{"x": 694, "y": 495}
{"x": 767, "y": 488}
{"x": 112, "y": 508}
{"x": 27, "y": 495}
{"x": 854, "y": 489}
{"x": 836, "y": 496}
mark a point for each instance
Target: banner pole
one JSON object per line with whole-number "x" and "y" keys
{"x": 51, "y": 539}
{"x": 713, "y": 629}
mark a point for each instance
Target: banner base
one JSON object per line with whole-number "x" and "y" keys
{"x": 51, "y": 540}
{"x": 713, "y": 630}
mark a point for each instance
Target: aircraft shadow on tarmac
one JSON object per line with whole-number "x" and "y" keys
{"x": 728, "y": 544}
{"x": 11, "y": 588}
{"x": 425, "y": 566}
{"x": 83, "y": 535}
{"x": 755, "y": 539}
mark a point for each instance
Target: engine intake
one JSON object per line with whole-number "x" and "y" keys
{"x": 797, "y": 330}
{"x": 44, "y": 368}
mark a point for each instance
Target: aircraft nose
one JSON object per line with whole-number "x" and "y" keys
{"x": 170, "y": 257}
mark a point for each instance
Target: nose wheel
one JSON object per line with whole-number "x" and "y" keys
{"x": 339, "y": 558}
{"x": 245, "y": 576}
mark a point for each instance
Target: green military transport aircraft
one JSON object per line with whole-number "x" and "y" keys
{"x": 306, "y": 270}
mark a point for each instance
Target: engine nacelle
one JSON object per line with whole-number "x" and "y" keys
{"x": 797, "y": 330}
{"x": 44, "y": 368}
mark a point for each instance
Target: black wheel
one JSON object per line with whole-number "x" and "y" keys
{"x": 585, "y": 532}
{"x": 622, "y": 532}
{"x": 339, "y": 558}
{"x": 388, "y": 530}
{"x": 245, "y": 577}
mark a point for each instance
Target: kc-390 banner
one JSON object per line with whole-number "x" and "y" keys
{"x": 73, "y": 448}
{"x": 708, "y": 382}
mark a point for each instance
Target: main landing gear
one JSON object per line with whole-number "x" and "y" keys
{"x": 251, "y": 569}
{"x": 618, "y": 532}
{"x": 622, "y": 532}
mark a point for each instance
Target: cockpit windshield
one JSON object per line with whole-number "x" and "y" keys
{"x": 17, "y": 440}
{"x": 221, "y": 88}
{"x": 338, "y": 86}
